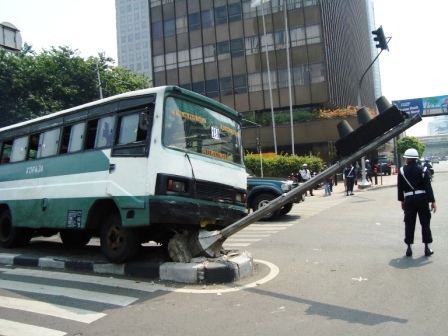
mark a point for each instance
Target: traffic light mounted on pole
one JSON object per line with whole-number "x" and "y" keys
{"x": 380, "y": 38}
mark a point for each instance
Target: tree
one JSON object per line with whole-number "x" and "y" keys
{"x": 33, "y": 85}
{"x": 410, "y": 142}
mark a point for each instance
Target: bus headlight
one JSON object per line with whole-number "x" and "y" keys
{"x": 177, "y": 186}
{"x": 240, "y": 197}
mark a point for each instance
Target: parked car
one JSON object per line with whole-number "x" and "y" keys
{"x": 434, "y": 159}
{"x": 262, "y": 190}
{"x": 383, "y": 166}
{"x": 443, "y": 158}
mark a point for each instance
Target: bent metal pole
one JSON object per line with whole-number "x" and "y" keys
{"x": 209, "y": 243}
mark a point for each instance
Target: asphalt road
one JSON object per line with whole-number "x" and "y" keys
{"x": 334, "y": 266}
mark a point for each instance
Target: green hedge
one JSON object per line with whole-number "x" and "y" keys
{"x": 281, "y": 165}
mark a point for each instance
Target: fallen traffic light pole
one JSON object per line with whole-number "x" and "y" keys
{"x": 209, "y": 243}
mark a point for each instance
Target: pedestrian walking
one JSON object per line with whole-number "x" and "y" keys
{"x": 415, "y": 193}
{"x": 368, "y": 171}
{"x": 350, "y": 173}
{"x": 305, "y": 174}
{"x": 328, "y": 183}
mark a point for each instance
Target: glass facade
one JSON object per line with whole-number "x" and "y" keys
{"x": 133, "y": 38}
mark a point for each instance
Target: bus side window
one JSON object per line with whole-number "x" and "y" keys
{"x": 72, "y": 137}
{"x": 19, "y": 149}
{"x": 48, "y": 143}
{"x": 6, "y": 151}
{"x": 92, "y": 126}
{"x": 104, "y": 132}
{"x": 129, "y": 130}
{"x": 34, "y": 146}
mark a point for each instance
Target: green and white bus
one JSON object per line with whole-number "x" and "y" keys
{"x": 130, "y": 169}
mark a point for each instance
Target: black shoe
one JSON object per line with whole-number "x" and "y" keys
{"x": 409, "y": 252}
{"x": 428, "y": 251}
{"x": 351, "y": 194}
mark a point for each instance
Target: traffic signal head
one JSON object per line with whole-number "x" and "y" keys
{"x": 380, "y": 38}
{"x": 370, "y": 129}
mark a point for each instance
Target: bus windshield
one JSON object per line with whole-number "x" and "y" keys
{"x": 195, "y": 128}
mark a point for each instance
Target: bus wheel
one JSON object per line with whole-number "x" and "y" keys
{"x": 11, "y": 236}
{"x": 75, "y": 238}
{"x": 118, "y": 244}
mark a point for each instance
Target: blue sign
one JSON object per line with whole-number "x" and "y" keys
{"x": 430, "y": 106}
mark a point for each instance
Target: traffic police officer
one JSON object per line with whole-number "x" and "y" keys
{"x": 415, "y": 192}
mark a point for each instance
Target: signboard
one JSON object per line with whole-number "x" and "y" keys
{"x": 426, "y": 107}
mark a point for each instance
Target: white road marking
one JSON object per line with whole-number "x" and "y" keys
{"x": 44, "y": 308}
{"x": 118, "y": 300}
{"x": 10, "y": 328}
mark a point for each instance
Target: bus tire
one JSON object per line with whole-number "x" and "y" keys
{"x": 118, "y": 244}
{"x": 11, "y": 236}
{"x": 75, "y": 238}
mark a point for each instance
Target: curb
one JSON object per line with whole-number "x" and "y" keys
{"x": 199, "y": 271}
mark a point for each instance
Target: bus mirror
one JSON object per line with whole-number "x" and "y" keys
{"x": 143, "y": 121}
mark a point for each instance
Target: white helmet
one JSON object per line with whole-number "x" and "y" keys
{"x": 411, "y": 153}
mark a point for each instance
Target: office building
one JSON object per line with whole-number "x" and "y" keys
{"x": 218, "y": 48}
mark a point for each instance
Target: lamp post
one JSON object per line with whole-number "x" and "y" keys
{"x": 255, "y": 3}
{"x": 289, "y": 77}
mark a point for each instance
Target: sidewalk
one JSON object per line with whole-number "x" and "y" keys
{"x": 383, "y": 181}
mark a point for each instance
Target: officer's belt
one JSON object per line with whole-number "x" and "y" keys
{"x": 415, "y": 192}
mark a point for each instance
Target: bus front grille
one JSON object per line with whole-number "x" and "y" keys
{"x": 213, "y": 192}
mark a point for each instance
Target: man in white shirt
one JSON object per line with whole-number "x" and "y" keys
{"x": 306, "y": 175}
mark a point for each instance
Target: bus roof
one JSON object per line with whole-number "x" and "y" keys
{"x": 122, "y": 96}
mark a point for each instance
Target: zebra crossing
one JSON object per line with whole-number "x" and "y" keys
{"x": 40, "y": 292}
{"x": 300, "y": 212}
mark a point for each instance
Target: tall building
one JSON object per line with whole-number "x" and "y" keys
{"x": 133, "y": 38}
{"x": 218, "y": 48}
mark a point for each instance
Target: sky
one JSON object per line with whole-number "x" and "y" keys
{"x": 414, "y": 67}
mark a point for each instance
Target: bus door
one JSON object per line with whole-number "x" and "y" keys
{"x": 129, "y": 159}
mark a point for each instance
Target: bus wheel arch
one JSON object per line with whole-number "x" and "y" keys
{"x": 118, "y": 244}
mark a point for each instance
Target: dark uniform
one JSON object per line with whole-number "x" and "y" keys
{"x": 416, "y": 200}
{"x": 350, "y": 173}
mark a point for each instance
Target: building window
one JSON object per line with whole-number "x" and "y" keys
{"x": 235, "y": 12}
{"x": 170, "y": 61}
{"x": 159, "y": 63}
{"x": 280, "y": 39}
{"x": 255, "y": 83}
{"x": 267, "y": 40}
{"x": 300, "y": 75}
{"x": 272, "y": 78}
{"x": 183, "y": 58}
{"x": 207, "y": 18}
{"x": 209, "y": 53}
{"x": 221, "y": 15}
{"x": 169, "y": 27}
{"x": 211, "y": 87}
{"x": 157, "y": 30}
{"x": 194, "y": 21}
{"x": 240, "y": 84}
{"x": 252, "y": 44}
{"x": 282, "y": 78}
{"x": 196, "y": 55}
{"x": 313, "y": 34}
{"x": 198, "y": 87}
{"x": 181, "y": 25}
{"x": 237, "y": 47}
{"x": 226, "y": 86}
{"x": 223, "y": 50}
{"x": 317, "y": 73}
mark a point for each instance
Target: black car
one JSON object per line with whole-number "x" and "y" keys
{"x": 383, "y": 166}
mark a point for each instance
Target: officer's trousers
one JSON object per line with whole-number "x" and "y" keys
{"x": 417, "y": 204}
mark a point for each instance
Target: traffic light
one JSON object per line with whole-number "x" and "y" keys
{"x": 380, "y": 38}
{"x": 370, "y": 128}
